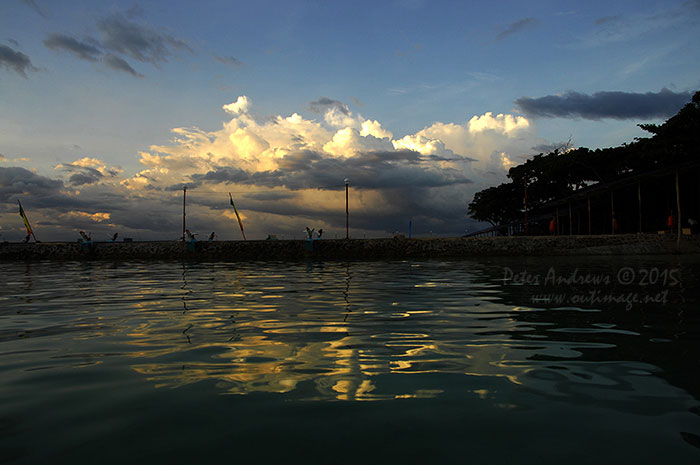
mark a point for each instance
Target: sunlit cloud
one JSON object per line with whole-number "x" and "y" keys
{"x": 285, "y": 172}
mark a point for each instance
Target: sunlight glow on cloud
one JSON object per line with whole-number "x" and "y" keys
{"x": 287, "y": 172}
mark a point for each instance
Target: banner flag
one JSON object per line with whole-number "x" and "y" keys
{"x": 26, "y": 221}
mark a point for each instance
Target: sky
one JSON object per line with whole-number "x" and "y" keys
{"x": 109, "y": 109}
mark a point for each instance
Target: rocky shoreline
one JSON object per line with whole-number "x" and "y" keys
{"x": 360, "y": 249}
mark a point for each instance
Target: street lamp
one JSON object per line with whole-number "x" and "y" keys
{"x": 347, "y": 214}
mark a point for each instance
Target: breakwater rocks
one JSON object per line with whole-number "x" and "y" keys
{"x": 360, "y": 249}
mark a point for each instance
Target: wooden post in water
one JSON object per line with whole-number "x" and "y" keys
{"x": 571, "y": 221}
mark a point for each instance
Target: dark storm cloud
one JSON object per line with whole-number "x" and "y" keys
{"x": 15, "y": 61}
{"x": 138, "y": 41}
{"x": 229, "y": 60}
{"x": 223, "y": 174}
{"x": 371, "y": 170}
{"x": 514, "y": 28}
{"x": 267, "y": 196}
{"x": 16, "y": 181}
{"x": 82, "y": 175}
{"x": 616, "y": 105}
{"x": 120, "y": 64}
{"x": 79, "y": 179}
{"x": 324, "y": 104}
{"x": 83, "y": 50}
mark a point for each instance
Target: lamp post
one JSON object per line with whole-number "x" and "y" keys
{"x": 347, "y": 211}
{"x": 184, "y": 205}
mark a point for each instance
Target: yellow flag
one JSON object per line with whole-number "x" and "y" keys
{"x": 24, "y": 217}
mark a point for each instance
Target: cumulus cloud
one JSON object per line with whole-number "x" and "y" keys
{"x": 517, "y": 26}
{"x": 237, "y": 107}
{"x": 16, "y": 181}
{"x": 286, "y": 172}
{"x": 84, "y": 50}
{"x": 616, "y": 105}
{"x": 87, "y": 171}
{"x": 15, "y": 61}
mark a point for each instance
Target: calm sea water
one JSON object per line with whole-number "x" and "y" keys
{"x": 492, "y": 361}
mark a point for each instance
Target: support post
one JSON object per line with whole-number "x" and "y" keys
{"x": 525, "y": 202}
{"x": 571, "y": 221}
{"x": 612, "y": 211}
{"x": 639, "y": 201}
{"x": 347, "y": 211}
{"x": 590, "y": 230}
{"x": 678, "y": 206}
{"x": 184, "y": 206}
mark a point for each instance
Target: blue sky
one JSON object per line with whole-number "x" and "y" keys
{"x": 424, "y": 102}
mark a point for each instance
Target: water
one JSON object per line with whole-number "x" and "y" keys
{"x": 509, "y": 360}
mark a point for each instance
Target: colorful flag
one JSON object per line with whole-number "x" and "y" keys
{"x": 26, "y": 221}
{"x": 237, "y": 215}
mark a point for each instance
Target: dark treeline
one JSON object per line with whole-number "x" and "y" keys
{"x": 566, "y": 182}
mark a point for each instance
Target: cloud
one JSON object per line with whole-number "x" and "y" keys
{"x": 517, "y": 26}
{"x": 285, "y": 172}
{"x": 139, "y": 41}
{"x": 122, "y": 36}
{"x": 324, "y": 104}
{"x": 83, "y": 50}
{"x": 15, "y": 61}
{"x": 229, "y": 60}
{"x": 16, "y": 182}
{"x": 237, "y": 107}
{"x": 120, "y": 64}
{"x": 32, "y": 4}
{"x": 87, "y": 171}
{"x": 616, "y": 105}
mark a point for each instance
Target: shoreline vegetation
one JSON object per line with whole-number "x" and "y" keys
{"x": 396, "y": 248}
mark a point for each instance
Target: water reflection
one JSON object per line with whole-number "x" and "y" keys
{"x": 358, "y": 331}
{"x": 373, "y": 331}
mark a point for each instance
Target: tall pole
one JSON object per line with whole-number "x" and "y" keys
{"x": 639, "y": 201}
{"x": 184, "y": 204}
{"x": 347, "y": 212}
{"x": 678, "y": 206}
{"x": 612, "y": 211}
{"x": 525, "y": 204}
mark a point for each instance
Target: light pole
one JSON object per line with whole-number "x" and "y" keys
{"x": 347, "y": 211}
{"x": 184, "y": 205}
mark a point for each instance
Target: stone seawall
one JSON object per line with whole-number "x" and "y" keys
{"x": 361, "y": 249}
